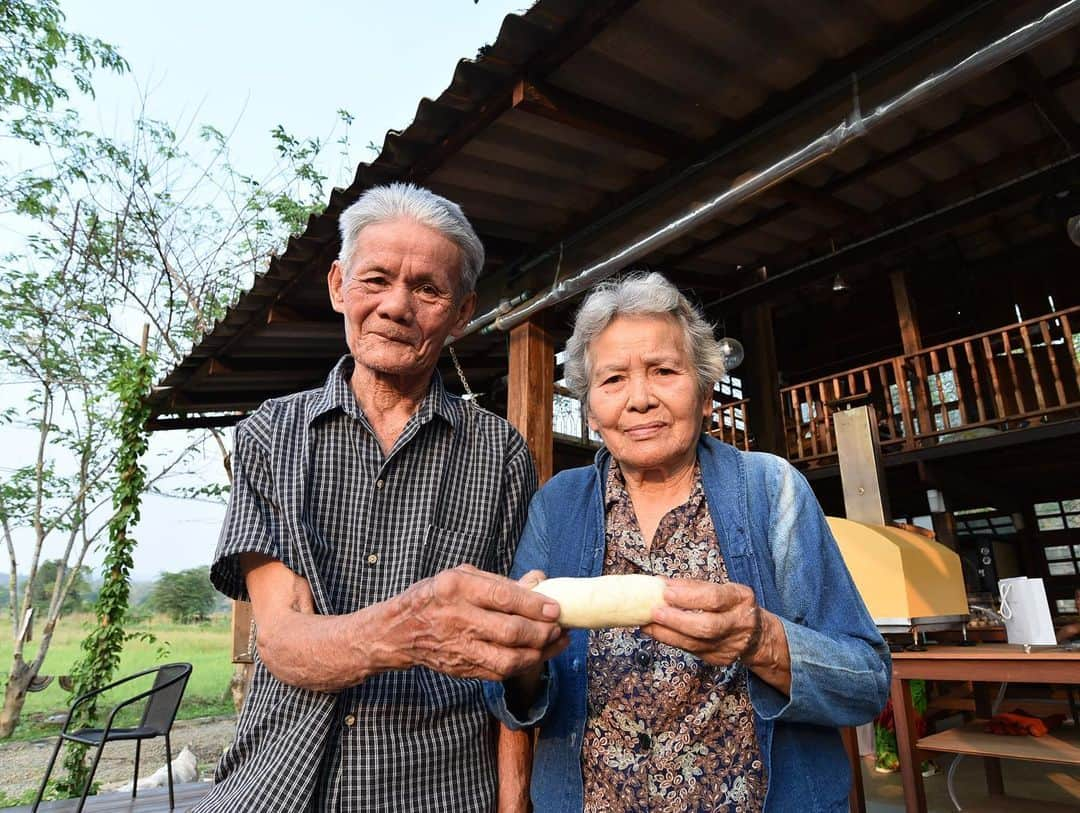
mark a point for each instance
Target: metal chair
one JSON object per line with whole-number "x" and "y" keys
{"x": 162, "y": 701}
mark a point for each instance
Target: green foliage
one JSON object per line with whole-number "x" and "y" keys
{"x": 41, "y": 594}
{"x": 206, "y": 646}
{"x": 29, "y": 796}
{"x": 35, "y": 49}
{"x": 146, "y": 226}
{"x": 105, "y": 641}
{"x": 186, "y": 597}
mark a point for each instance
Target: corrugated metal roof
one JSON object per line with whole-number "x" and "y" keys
{"x": 620, "y": 100}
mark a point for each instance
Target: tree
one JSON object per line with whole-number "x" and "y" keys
{"x": 50, "y": 577}
{"x": 158, "y": 227}
{"x": 186, "y": 596}
{"x": 35, "y": 48}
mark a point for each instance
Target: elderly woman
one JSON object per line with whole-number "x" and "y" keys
{"x": 730, "y": 698}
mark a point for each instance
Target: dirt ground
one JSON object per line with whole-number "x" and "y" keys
{"x": 22, "y": 764}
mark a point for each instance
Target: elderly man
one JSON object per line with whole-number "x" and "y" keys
{"x": 364, "y": 518}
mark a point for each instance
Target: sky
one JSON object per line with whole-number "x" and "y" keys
{"x": 244, "y": 67}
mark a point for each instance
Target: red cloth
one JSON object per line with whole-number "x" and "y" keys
{"x": 1019, "y": 723}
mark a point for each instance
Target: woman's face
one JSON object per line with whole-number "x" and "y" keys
{"x": 643, "y": 394}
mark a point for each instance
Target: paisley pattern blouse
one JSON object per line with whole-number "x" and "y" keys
{"x": 665, "y": 731}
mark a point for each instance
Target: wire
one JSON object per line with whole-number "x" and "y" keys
{"x": 956, "y": 761}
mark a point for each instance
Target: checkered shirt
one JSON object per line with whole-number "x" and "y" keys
{"x": 313, "y": 490}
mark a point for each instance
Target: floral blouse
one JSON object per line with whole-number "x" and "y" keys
{"x": 665, "y": 730}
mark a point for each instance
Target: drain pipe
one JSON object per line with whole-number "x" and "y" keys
{"x": 855, "y": 126}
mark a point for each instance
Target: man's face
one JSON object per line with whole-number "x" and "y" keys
{"x": 400, "y": 297}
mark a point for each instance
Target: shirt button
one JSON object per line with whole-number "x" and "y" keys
{"x": 643, "y": 658}
{"x": 378, "y": 483}
{"x": 644, "y": 741}
{"x": 576, "y": 664}
{"x": 350, "y": 720}
{"x": 373, "y": 558}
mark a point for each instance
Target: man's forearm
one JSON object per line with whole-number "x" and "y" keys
{"x": 329, "y": 653}
{"x": 515, "y": 768}
{"x": 461, "y": 622}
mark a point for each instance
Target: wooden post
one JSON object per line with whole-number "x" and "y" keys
{"x": 761, "y": 384}
{"x": 910, "y": 335}
{"x": 529, "y": 407}
{"x": 530, "y": 391}
{"x": 911, "y": 338}
{"x": 910, "y": 758}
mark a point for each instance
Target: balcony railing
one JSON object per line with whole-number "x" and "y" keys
{"x": 730, "y": 423}
{"x": 991, "y": 382}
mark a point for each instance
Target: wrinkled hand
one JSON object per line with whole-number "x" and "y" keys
{"x": 468, "y": 623}
{"x": 719, "y": 623}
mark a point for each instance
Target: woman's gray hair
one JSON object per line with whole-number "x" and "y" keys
{"x": 381, "y": 204}
{"x": 640, "y": 294}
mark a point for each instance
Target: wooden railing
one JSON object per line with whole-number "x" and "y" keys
{"x": 994, "y": 381}
{"x": 730, "y": 423}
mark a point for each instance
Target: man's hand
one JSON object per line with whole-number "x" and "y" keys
{"x": 722, "y": 623}
{"x": 468, "y": 623}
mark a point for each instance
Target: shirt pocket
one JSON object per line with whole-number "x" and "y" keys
{"x": 444, "y": 549}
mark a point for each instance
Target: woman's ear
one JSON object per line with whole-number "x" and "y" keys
{"x": 589, "y": 416}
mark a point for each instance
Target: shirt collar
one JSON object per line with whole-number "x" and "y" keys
{"x": 336, "y": 393}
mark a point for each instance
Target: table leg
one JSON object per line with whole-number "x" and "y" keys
{"x": 910, "y": 773}
{"x": 856, "y": 797}
{"x": 984, "y": 709}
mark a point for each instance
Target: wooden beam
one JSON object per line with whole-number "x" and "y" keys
{"x": 910, "y": 335}
{"x": 812, "y": 197}
{"x": 825, "y": 86}
{"x": 530, "y": 391}
{"x": 1050, "y": 107}
{"x": 575, "y": 36}
{"x": 282, "y": 313}
{"x": 210, "y": 368}
{"x": 761, "y": 383}
{"x": 243, "y": 633}
{"x": 593, "y": 117}
{"x": 919, "y": 226}
{"x": 894, "y": 159}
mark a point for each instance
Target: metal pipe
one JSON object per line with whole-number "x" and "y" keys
{"x": 855, "y": 126}
{"x": 504, "y": 306}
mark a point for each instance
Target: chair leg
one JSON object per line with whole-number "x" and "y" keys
{"x": 48, "y": 771}
{"x": 90, "y": 778}
{"x": 168, "y": 769}
{"x": 135, "y": 778}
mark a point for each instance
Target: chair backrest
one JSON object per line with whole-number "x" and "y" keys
{"x": 165, "y": 697}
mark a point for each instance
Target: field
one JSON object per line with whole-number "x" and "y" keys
{"x": 206, "y": 646}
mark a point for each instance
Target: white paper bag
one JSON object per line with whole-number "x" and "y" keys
{"x": 1026, "y": 611}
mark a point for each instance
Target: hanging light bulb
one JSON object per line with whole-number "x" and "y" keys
{"x": 839, "y": 286}
{"x": 733, "y": 353}
{"x": 1072, "y": 228}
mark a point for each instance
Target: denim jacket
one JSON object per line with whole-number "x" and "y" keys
{"x": 774, "y": 539}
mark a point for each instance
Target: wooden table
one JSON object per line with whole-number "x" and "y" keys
{"x": 987, "y": 663}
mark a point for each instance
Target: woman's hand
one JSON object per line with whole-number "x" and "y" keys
{"x": 722, "y": 623}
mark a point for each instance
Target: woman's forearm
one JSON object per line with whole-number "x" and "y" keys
{"x": 771, "y": 659}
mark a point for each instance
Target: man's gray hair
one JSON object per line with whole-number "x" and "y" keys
{"x": 640, "y": 294}
{"x": 381, "y": 204}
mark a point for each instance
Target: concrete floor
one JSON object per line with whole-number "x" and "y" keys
{"x": 1043, "y": 783}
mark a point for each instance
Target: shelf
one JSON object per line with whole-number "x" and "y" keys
{"x": 1015, "y": 804}
{"x": 1060, "y": 746}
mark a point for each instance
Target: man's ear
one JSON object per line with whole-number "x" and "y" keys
{"x": 333, "y": 283}
{"x": 464, "y": 314}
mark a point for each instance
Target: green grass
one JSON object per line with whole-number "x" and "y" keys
{"x": 206, "y": 646}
